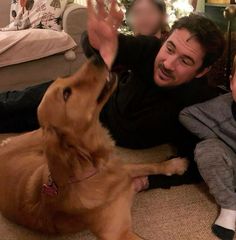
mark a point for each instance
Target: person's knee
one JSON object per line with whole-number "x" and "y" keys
{"x": 210, "y": 152}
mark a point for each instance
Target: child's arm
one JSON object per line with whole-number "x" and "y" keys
{"x": 198, "y": 120}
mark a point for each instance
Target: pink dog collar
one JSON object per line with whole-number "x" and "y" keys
{"x": 50, "y": 188}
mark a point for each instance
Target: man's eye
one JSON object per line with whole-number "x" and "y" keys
{"x": 169, "y": 50}
{"x": 187, "y": 62}
{"x": 66, "y": 93}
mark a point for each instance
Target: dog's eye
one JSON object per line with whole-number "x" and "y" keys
{"x": 66, "y": 93}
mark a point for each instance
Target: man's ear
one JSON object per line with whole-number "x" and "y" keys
{"x": 203, "y": 72}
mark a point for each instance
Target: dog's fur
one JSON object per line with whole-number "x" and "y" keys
{"x": 94, "y": 189}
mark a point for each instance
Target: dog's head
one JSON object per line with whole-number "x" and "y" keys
{"x": 74, "y": 103}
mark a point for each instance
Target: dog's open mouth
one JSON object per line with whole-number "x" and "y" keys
{"x": 110, "y": 82}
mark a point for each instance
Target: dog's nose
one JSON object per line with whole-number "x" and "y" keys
{"x": 97, "y": 60}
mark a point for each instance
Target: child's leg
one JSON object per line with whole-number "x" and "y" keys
{"x": 217, "y": 164}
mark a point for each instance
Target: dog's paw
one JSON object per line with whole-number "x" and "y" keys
{"x": 176, "y": 166}
{"x": 5, "y": 142}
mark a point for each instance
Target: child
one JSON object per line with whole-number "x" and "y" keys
{"x": 148, "y": 17}
{"x": 214, "y": 122}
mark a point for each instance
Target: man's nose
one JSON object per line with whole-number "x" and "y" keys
{"x": 170, "y": 63}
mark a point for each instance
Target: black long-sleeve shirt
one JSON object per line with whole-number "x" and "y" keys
{"x": 141, "y": 114}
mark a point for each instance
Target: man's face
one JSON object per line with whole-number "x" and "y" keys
{"x": 179, "y": 60}
{"x": 233, "y": 84}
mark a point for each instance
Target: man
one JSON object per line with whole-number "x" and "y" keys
{"x": 143, "y": 111}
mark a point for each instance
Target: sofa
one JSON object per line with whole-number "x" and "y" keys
{"x": 31, "y": 72}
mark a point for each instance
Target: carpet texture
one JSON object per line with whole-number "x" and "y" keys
{"x": 180, "y": 213}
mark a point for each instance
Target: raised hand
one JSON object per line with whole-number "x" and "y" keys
{"x": 102, "y": 28}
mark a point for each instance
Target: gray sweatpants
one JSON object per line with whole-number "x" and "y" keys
{"x": 217, "y": 165}
{"x": 214, "y": 124}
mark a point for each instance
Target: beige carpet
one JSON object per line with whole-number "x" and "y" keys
{"x": 180, "y": 213}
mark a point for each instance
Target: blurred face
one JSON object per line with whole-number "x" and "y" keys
{"x": 233, "y": 84}
{"x": 145, "y": 18}
{"x": 179, "y": 60}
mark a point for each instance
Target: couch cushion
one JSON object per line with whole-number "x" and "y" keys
{"x": 31, "y": 44}
{"x": 36, "y": 14}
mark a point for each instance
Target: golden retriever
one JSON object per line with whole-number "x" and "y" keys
{"x": 65, "y": 177}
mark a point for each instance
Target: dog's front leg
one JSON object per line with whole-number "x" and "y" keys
{"x": 169, "y": 167}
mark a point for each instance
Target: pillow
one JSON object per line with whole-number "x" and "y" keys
{"x": 45, "y": 14}
{"x": 38, "y": 43}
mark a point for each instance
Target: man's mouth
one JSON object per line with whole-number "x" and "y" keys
{"x": 164, "y": 75}
{"x": 110, "y": 82}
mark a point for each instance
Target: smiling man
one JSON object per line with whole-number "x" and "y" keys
{"x": 162, "y": 80}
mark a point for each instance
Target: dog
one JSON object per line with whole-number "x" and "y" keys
{"x": 65, "y": 176}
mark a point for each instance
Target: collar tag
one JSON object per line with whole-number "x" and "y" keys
{"x": 50, "y": 188}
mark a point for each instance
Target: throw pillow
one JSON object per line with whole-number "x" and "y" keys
{"x": 39, "y": 44}
{"x": 45, "y": 14}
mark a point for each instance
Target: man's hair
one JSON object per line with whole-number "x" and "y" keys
{"x": 207, "y": 34}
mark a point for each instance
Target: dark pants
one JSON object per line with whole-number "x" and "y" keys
{"x": 18, "y": 109}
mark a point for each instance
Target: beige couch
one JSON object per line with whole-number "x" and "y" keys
{"x": 29, "y": 73}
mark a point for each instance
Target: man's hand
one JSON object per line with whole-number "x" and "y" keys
{"x": 102, "y": 29}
